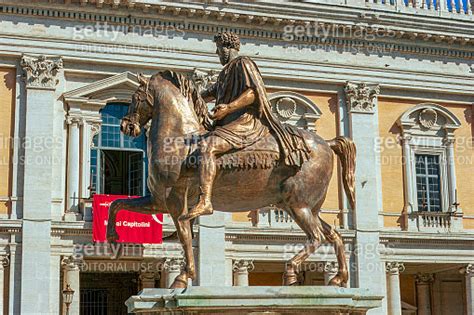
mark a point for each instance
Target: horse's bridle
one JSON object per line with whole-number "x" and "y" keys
{"x": 148, "y": 99}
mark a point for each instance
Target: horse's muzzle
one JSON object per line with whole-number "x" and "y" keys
{"x": 130, "y": 128}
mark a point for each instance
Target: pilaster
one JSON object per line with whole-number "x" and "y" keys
{"x": 41, "y": 75}
{"x": 211, "y": 257}
{"x": 361, "y": 101}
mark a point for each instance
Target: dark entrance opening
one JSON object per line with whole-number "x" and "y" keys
{"x": 106, "y": 293}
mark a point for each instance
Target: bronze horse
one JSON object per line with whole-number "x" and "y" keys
{"x": 177, "y": 111}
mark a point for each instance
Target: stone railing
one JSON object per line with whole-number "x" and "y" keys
{"x": 275, "y": 218}
{"x": 435, "y": 220}
{"x": 443, "y": 8}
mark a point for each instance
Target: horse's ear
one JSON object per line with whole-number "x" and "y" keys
{"x": 142, "y": 79}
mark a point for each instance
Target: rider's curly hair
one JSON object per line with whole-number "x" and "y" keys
{"x": 228, "y": 39}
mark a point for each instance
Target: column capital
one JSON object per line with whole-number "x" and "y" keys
{"x": 243, "y": 265}
{"x": 330, "y": 267}
{"x": 74, "y": 120}
{"x": 469, "y": 270}
{"x": 394, "y": 267}
{"x": 424, "y": 278}
{"x": 361, "y": 97}
{"x": 71, "y": 264}
{"x": 173, "y": 264}
{"x": 40, "y": 71}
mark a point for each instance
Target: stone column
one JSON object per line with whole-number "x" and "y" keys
{"x": 423, "y": 292}
{"x": 90, "y": 129}
{"x": 330, "y": 271}
{"x": 147, "y": 279}
{"x": 71, "y": 277}
{"x": 41, "y": 75}
{"x": 393, "y": 287}
{"x": 241, "y": 272}
{"x": 173, "y": 267}
{"x": 73, "y": 168}
{"x": 470, "y": 288}
{"x": 361, "y": 101}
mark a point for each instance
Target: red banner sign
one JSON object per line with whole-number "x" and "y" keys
{"x": 131, "y": 227}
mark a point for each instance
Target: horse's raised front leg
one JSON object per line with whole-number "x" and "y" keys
{"x": 144, "y": 205}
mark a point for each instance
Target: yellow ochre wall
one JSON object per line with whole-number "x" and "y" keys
{"x": 326, "y": 127}
{"x": 7, "y": 94}
{"x": 391, "y": 158}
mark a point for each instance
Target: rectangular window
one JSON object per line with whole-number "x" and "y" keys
{"x": 428, "y": 182}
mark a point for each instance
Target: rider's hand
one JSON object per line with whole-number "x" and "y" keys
{"x": 220, "y": 111}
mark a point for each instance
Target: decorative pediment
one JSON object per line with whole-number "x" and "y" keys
{"x": 295, "y": 109}
{"x": 117, "y": 88}
{"x": 428, "y": 119}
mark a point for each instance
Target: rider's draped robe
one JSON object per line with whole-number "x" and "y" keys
{"x": 246, "y": 126}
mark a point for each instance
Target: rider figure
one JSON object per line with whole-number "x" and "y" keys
{"x": 242, "y": 116}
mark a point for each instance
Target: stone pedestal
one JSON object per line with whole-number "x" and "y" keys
{"x": 316, "y": 300}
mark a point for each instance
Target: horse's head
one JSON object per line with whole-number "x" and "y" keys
{"x": 140, "y": 109}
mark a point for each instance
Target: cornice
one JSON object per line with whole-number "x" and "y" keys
{"x": 433, "y": 35}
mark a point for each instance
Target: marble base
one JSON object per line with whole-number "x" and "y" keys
{"x": 316, "y": 300}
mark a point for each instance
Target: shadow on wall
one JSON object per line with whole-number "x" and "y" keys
{"x": 9, "y": 80}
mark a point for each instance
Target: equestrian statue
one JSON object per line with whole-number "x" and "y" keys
{"x": 237, "y": 159}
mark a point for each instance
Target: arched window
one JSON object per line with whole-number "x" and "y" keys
{"x": 430, "y": 177}
{"x": 118, "y": 162}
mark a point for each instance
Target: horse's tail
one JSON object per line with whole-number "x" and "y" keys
{"x": 345, "y": 149}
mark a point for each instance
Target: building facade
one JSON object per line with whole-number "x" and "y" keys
{"x": 395, "y": 76}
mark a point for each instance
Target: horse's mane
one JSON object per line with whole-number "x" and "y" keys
{"x": 189, "y": 90}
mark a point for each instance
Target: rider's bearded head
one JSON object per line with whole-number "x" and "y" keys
{"x": 226, "y": 42}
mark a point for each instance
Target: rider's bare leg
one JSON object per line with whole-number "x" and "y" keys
{"x": 210, "y": 147}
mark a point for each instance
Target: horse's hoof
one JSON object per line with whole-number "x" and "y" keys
{"x": 112, "y": 237}
{"x": 290, "y": 278}
{"x": 337, "y": 281}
